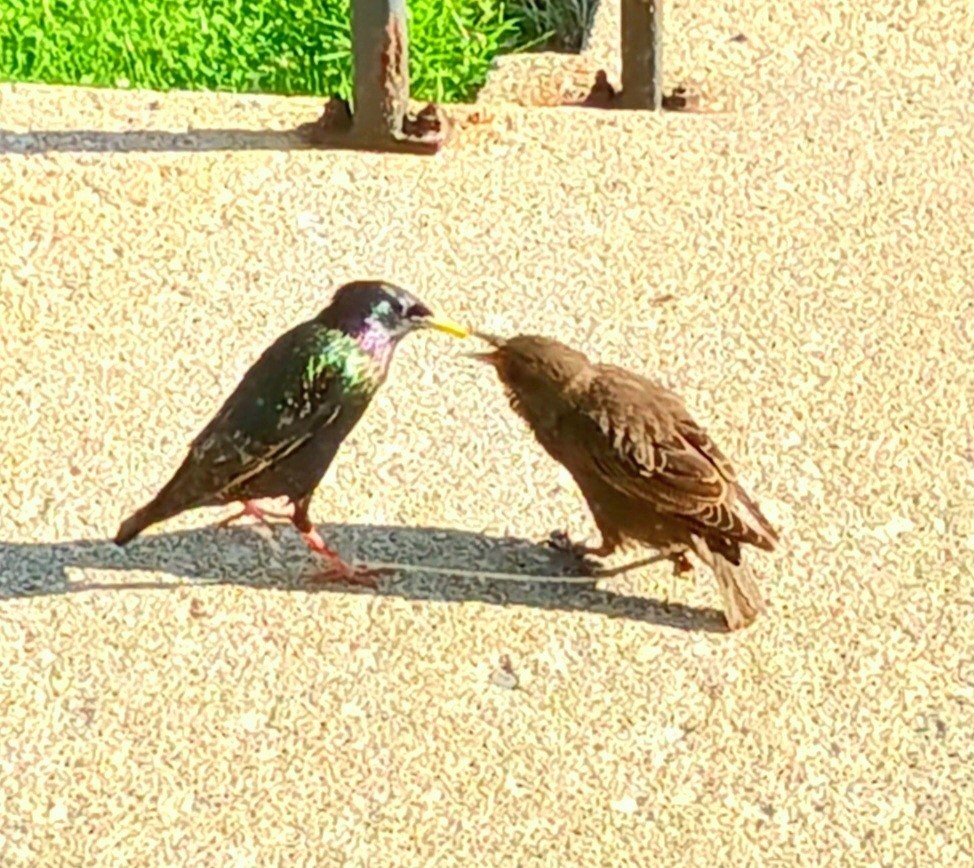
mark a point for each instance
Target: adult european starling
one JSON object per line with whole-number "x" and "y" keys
{"x": 276, "y": 435}
{"x": 648, "y": 472}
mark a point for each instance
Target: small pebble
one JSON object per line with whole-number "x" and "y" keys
{"x": 504, "y": 676}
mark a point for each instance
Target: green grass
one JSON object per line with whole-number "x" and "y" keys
{"x": 252, "y": 46}
{"x": 559, "y": 25}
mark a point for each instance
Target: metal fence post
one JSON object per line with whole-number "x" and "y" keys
{"x": 381, "y": 118}
{"x": 381, "y": 65}
{"x": 642, "y": 54}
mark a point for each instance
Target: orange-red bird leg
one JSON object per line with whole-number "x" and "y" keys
{"x": 337, "y": 570}
{"x": 251, "y": 508}
{"x": 334, "y": 569}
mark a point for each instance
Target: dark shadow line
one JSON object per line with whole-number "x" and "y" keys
{"x": 436, "y": 565}
{"x": 150, "y": 141}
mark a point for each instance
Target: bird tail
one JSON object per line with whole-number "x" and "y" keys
{"x": 761, "y": 532}
{"x": 738, "y": 588}
{"x": 164, "y": 505}
{"x": 137, "y": 522}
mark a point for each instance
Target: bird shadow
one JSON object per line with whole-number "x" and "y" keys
{"x": 430, "y": 564}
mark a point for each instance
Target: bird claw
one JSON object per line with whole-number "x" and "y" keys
{"x": 337, "y": 571}
{"x": 561, "y": 542}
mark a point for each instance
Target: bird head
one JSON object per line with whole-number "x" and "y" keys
{"x": 380, "y": 308}
{"x": 533, "y": 369}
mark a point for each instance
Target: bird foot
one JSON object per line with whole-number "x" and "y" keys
{"x": 560, "y": 541}
{"x": 251, "y": 508}
{"x": 338, "y": 571}
{"x": 681, "y": 564}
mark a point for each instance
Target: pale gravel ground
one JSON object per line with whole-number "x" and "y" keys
{"x": 186, "y": 702}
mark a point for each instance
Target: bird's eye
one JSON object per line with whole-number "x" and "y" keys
{"x": 418, "y": 311}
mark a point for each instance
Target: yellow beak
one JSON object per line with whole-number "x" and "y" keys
{"x": 447, "y": 326}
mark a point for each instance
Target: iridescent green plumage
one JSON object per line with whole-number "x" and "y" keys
{"x": 335, "y": 353}
{"x": 277, "y": 433}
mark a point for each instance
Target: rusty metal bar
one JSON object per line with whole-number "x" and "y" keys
{"x": 642, "y": 54}
{"x": 380, "y": 119}
{"x": 381, "y": 66}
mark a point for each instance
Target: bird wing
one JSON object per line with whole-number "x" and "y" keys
{"x": 284, "y": 400}
{"x": 658, "y": 455}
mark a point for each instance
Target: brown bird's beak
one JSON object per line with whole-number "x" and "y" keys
{"x": 447, "y": 326}
{"x": 489, "y": 358}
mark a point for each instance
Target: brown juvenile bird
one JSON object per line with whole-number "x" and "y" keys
{"x": 648, "y": 472}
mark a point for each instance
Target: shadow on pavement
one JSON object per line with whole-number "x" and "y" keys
{"x": 432, "y": 564}
{"x": 148, "y": 141}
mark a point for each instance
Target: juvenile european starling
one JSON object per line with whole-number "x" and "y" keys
{"x": 276, "y": 435}
{"x": 648, "y": 472}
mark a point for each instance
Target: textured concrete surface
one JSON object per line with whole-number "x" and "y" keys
{"x": 187, "y": 702}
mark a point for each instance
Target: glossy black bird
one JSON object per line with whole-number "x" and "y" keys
{"x": 648, "y": 472}
{"x": 276, "y": 435}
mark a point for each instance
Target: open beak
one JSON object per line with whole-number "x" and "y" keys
{"x": 447, "y": 326}
{"x": 491, "y": 357}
